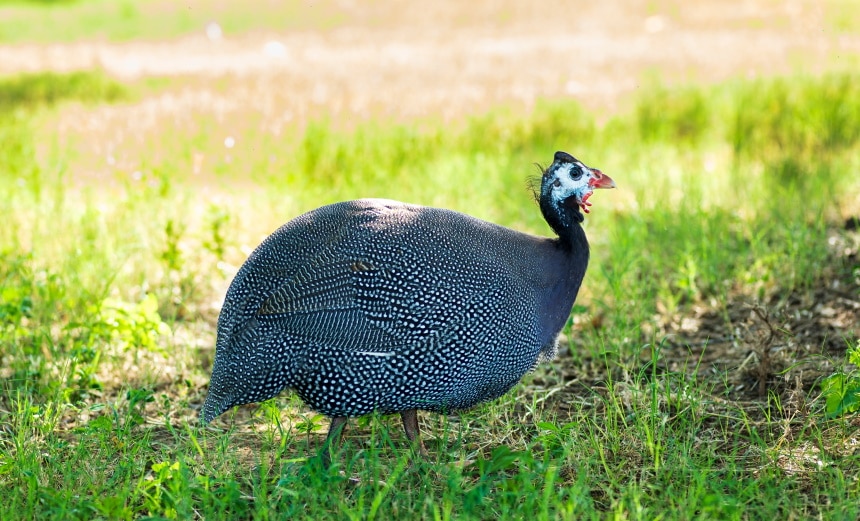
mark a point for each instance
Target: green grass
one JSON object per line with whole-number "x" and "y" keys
{"x": 122, "y": 20}
{"x": 728, "y": 194}
{"x": 40, "y": 21}
{"x": 21, "y": 92}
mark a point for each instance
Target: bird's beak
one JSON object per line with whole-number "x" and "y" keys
{"x": 600, "y": 180}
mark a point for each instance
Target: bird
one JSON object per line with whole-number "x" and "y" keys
{"x": 375, "y": 305}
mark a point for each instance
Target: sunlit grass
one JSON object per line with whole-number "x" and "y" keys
{"x": 120, "y": 235}
{"x": 120, "y": 20}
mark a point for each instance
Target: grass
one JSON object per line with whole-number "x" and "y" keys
{"x": 123, "y": 20}
{"x": 731, "y": 199}
{"x": 51, "y": 21}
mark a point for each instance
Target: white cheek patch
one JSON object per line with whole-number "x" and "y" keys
{"x": 567, "y": 186}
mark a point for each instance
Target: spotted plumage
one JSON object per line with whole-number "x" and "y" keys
{"x": 376, "y": 305}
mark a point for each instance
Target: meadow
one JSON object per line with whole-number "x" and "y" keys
{"x": 709, "y": 368}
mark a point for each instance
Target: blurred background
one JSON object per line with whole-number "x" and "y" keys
{"x": 147, "y": 146}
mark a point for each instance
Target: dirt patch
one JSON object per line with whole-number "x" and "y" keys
{"x": 743, "y": 352}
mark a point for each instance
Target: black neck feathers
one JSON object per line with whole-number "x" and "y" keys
{"x": 565, "y": 220}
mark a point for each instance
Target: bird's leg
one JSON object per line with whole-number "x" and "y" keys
{"x": 410, "y": 425}
{"x": 332, "y": 439}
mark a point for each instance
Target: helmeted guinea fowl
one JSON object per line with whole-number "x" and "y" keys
{"x": 375, "y": 305}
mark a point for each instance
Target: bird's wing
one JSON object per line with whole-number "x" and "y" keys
{"x": 376, "y": 306}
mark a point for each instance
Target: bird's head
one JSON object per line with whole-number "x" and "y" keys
{"x": 567, "y": 182}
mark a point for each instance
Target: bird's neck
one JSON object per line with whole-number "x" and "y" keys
{"x": 571, "y": 259}
{"x": 566, "y": 221}
{"x": 575, "y": 247}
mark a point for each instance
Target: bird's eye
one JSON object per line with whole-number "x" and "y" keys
{"x": 576, "y": 172}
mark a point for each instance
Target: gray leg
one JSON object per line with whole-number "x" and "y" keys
{"x": 410, "y": 425}
{"x": 332, "y": 440}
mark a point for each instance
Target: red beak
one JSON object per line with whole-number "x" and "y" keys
{"x": 600, "y": 180}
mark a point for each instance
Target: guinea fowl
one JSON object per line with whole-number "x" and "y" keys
{"x": 375, "y": 305}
